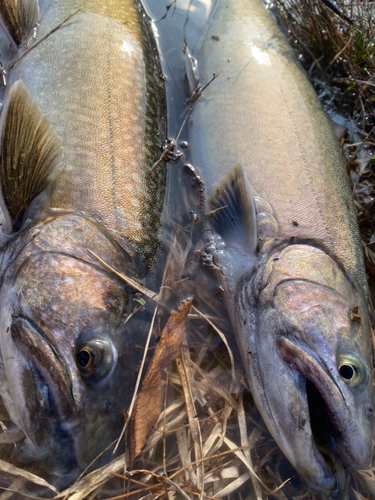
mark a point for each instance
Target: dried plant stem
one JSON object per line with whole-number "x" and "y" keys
{"x": 129, "y": 281}
{"x": 244, "y": 440}
{"x": 193, "y": 421}
{"x": 130, "y": 411}
{"x": 223, "y": 338}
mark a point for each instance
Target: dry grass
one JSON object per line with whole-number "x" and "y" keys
{"x": 339, "y": 47}
{"x": 207, "y": 443}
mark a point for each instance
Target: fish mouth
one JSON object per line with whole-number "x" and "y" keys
{"x": 331, "y": 421}
{"x": 54, "y": 412}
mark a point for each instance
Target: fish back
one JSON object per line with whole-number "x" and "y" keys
{"x": 265, "y": 110}
{"x": 97, "y": 79}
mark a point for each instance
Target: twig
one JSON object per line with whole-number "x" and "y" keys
{"x": 334, "y": 9}
{"x": 337, "y": 55}
{"x": 172, "y": 476}
{"x": 172, "y": 144}
{"x": 41, "y": 40}
{"x": 125, "y": 495}
{"x": 204, "y": 496}
{"x": 167, "y": 10}
{"x": 205, "y": 459}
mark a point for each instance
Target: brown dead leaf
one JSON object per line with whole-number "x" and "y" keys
{"x": 149, "y": 401}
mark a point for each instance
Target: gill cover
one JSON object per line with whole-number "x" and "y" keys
{"x": 67, "y": 377}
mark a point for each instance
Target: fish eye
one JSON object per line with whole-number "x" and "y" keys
{"x": 96, "y": 359}
{"x": 350, "y": 371}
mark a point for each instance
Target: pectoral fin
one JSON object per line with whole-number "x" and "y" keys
{"x": 18, "y": 18}
{"x": 30, "y": 152}
{"x": 233, "y": 210}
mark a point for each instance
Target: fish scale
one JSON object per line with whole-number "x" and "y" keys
{"x": 304, "y": 178}
{"x": 110, "y": 131}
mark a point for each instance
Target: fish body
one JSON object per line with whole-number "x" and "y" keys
{"x": 82, "y": 120}
{"x": 105, "y": 108}
{"x": 283, "y": 237}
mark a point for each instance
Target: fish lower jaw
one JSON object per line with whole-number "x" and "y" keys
{"x": 325, "y": 481}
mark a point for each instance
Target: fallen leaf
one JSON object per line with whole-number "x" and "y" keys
{"x": 149, "y": 401}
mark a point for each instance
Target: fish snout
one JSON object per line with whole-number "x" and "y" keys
{"x": 279, "y": 391}
{"x": 338, "y": 416}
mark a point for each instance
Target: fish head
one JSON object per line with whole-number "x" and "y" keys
{"x": 69, "y": 358}
{"x": 310, "y": 362}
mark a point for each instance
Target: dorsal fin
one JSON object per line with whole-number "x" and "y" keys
{"x": 233, "y": 210}
{"x": 18, "y": 18}
{"x": 30, "y": 152}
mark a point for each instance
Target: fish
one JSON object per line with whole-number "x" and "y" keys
{"x": 282, "y": 237}
{"x": 83, "y": 118}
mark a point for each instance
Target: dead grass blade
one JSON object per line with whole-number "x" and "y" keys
{"x": 129, "y": 281}
{"x": 244, "y": 441}
{"x": 233, "y": 486}
{"x": 21, "y": 473}
{"x": 193, "y": 421}
{"x": 223, "y": 338}
{"x": 212, "y": 384}
{"x": 138, "y": 381}
{"x": 92, "y": 481}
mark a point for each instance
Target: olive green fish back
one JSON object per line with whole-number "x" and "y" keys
{"x": 98, "y": 80}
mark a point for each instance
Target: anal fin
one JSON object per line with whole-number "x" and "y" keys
{"x": 30, "y": 152}
{"x": 233, "y": 210}
{"x": 18, "y": 18}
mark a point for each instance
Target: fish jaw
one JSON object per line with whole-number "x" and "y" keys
{"x": 339, "y": 404}
{"x": 283, "y": 404}
{"x": 296, "y": 328}
{"x": 54, "y": 394}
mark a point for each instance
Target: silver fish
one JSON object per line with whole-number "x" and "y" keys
{"x": 81, "y": 126}
{"x": 283, "y": 237}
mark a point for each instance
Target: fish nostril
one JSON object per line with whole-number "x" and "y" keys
{"x": 369, "y": 413}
